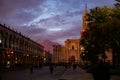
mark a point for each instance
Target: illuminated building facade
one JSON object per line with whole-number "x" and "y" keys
{"x": 69, "y": 53}
{"x": 56, "y": 53}
{"x": 17, "y": 50}
{"x": 72, "y": 50}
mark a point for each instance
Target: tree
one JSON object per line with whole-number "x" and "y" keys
{"x": 103, "y": 32}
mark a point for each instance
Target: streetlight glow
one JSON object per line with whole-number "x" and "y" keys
{"x": 82, "y": 48}
{"x": 0, "y": 41}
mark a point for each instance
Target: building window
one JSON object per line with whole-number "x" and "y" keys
{"x": 73, "y": 47}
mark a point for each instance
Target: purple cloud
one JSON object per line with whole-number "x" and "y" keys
{"x": 56, "y": 20}
{"x": 15, "y": 9}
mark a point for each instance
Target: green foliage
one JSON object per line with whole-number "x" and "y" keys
{"x": 103, "y": 32}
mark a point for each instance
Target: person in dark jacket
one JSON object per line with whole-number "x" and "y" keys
{"x": 31, "y": 69}
{"x": 51, "y": 68}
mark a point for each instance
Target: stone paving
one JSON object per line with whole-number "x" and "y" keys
{"x": 80, "y": 74}
{"x": 60, "y": 73}
{"x": 77, "y": 74}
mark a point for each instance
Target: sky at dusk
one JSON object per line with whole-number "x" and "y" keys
{"x": 55, "y": 20}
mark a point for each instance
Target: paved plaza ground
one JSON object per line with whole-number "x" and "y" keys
{"x": 60, "y": 73}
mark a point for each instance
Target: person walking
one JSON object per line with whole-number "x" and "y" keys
{"x": 51, "y": 68}
{"x": 74, "y": 66}
{"x": 31, "y": 69}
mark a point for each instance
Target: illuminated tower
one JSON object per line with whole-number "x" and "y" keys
{"x": 84, "y": 28}
{"x": 84, "y": 20}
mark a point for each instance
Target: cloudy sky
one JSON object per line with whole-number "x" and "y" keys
{"x": 55, "y": 20}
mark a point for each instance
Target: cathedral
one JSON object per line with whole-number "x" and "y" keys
{"x": 72, "y": 50}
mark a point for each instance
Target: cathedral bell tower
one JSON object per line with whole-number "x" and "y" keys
{"x": 84, "y": 20}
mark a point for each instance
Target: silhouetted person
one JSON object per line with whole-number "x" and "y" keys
{"x": 31, "y": 69}
{"x": 40, "y": 66}
{"x": 74, "y": 66}
{"x": 51, "y": 68}
{"x": 69, "y": 64}
{"x": 101, "y": 71}
{"x": 66, "y": 66}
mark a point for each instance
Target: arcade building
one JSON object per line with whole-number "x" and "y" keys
{"x": 16, "y": 50}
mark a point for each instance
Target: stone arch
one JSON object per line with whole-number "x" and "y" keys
{"x": 72, "y": 59}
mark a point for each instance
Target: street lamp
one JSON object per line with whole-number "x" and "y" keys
{"x": 12, "y": 52}
{"x": 83, "y": 54}
{"x": 0, "y": 41}
{"x": 82, "y": 49}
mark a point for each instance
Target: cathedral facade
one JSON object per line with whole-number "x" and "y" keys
{"x": 69, "y": 53}
{"x": 72, "y": 50}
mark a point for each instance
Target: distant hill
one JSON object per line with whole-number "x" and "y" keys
{"x": 48, "y": 45}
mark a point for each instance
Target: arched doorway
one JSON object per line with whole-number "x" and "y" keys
{"x": 72, "y": 59}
